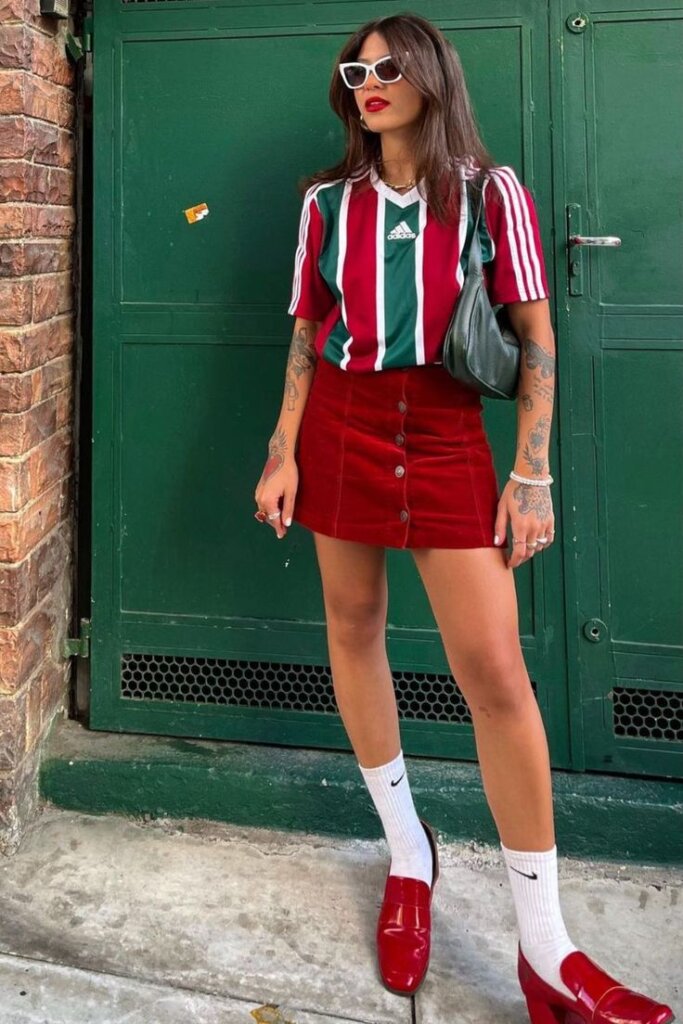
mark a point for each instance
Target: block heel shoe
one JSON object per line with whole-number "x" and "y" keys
{"x": 404, "y": 927}
{"x": 599, "y": 998}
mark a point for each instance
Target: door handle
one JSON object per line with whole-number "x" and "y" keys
{"x": 575, "y": 243}
{"x": 594, "y": 240}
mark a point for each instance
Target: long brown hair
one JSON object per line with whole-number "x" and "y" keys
{"x": 447, "y": 133}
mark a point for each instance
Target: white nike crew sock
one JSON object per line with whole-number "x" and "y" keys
{"x": 411, "y": 854}
{"x": 542, "y": 932}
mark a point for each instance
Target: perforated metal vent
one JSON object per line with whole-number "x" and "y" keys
{"x": 648, "y": 714}
{"x": 265, "y": 684}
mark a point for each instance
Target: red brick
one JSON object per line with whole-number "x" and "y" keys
{"x": 21, "y": 258}
{"x": 52, "y": 294}
{"x": 28, "y": 11}
{"x": 14, "y": 218}
{"x": 33, "y": 710}
{"x": 43, "y": 141}
{"x": 23, "y": 585}
{"x": 20, "y": 391}
{"x": 21, "y": 432}
{"x": 15, "y": 142}
{"x": 12, "y": 87}
{"x": 12, "y": 729}
{"x": 21, "y": 531}
{"x": 49, "y": 60}
{"x": 14, "y": 46}
{"x": 66, "y": 114}
{"x": 22, "y": 480}
{"x": 52, "y": 221}
{"x": 66, "y": 149}
{"x": 16, "y": 302}
{"x": 41, "y": 99}
{"x": 22, "y": 648}
{"x": 54, "y": 683}
{"x": 26, "y": 347}
{"x": 26, "y": 182}
{"x": 61, "y": 186}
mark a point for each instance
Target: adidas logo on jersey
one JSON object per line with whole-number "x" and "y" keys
{"x": 402, "y": 231}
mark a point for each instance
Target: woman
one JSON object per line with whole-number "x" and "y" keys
{"x": 378, "y": 446}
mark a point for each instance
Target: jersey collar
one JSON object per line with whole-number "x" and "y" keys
{"x": 398, "y": 198}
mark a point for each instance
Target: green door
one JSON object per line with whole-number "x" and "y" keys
{"x": 618, "y": 173}
{"x": 203, "y": 624}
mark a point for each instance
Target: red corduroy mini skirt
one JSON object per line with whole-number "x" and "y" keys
{"x": 396, "y": 457}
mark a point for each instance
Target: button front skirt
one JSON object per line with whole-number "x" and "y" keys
{"x": 397, "y": 457}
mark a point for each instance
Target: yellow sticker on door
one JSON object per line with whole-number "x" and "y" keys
{"x": 195, "y": 213}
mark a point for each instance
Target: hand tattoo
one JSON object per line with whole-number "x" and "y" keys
{"x": 533, "y": 499}
{"x": 277, "y": 447}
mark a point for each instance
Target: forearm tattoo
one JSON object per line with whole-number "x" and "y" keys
{"x": 537, "y": 357}
{"x": 277, "y": 447}
{"x": 535, "y": 448}
{"x": 302, "y": 357}
{"x": 541, "y": 382}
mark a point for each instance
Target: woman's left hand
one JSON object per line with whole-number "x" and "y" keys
{"x": 530, "y": 512}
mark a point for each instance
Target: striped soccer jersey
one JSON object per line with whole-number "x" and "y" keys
{"x": 382, "y": 275}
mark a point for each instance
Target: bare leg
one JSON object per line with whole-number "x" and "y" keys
{"x": 474, "y": 602}
{"x": 355, "y": 595}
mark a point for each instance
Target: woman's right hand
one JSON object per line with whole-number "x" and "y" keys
{"x": 276, "y": 491}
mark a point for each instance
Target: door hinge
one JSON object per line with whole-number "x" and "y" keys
{"x": 79, "y": 645}
{"x": 78, "y": 46}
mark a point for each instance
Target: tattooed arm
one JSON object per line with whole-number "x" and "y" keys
{"x": 279, "y": 476}
{"x": 530, "y": 508}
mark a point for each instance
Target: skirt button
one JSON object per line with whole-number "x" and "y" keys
{"x": 400, "y": 470}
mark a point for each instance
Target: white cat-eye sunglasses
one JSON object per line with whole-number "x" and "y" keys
{"x": 355, "y": 73}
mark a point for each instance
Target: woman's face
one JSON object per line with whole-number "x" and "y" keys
{"x": 404, "y": 102}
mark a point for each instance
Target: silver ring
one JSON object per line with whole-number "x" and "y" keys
{"x": 274, "y": 515}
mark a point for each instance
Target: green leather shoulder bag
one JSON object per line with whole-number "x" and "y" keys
{"x": 481, "y": 348}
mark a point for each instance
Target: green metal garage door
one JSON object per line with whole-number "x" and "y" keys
{"x": 203, "y": 624}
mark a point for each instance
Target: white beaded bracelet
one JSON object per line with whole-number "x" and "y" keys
{"x": 527, "y": 480}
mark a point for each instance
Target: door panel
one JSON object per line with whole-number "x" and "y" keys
{"x": 621, "y": 349}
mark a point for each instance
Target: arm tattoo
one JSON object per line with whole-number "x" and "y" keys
{"x": 536, "y": 356}
{"x": 545, "y": 391}
{"x": 302, "y": 356}
{"x": 538, "y": 436}
{"x": 277, "y": 446}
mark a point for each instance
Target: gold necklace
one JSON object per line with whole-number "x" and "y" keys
{"x": 408, "y": 184}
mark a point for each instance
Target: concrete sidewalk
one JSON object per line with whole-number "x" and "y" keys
{"x": 110, "y": 919}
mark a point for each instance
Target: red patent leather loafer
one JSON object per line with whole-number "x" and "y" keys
{"x": 404, "y": 927}
{"x": 600, "y": 999}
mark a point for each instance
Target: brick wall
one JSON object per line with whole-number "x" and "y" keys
{"x": 36, "y": 401}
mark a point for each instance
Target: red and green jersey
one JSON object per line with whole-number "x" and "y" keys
{"x": 382, "y": 275}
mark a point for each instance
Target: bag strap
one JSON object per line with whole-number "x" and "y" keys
{"x": 474, "y": 262}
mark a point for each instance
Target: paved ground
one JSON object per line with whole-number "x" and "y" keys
{"x": 109, "y": 919}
